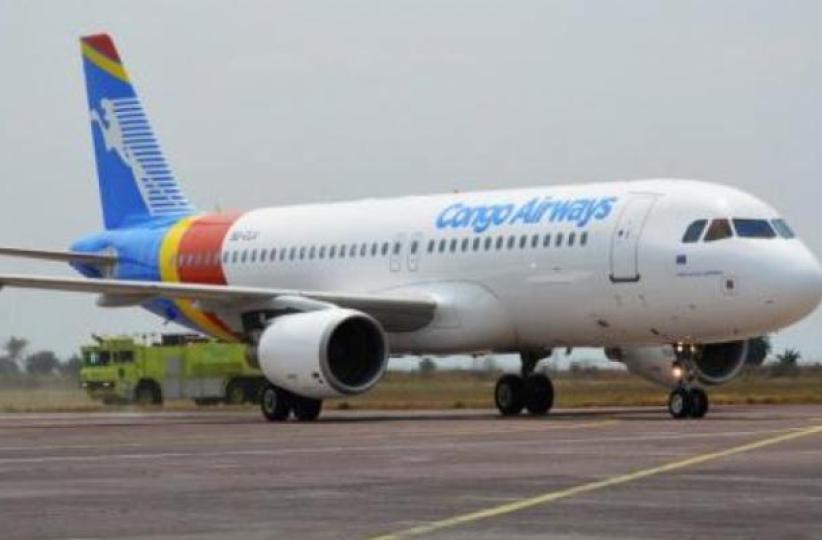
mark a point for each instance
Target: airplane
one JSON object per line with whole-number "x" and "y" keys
{"x": 670, "y": 277}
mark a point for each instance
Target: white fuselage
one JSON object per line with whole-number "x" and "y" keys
{"x": 620, "y": 274}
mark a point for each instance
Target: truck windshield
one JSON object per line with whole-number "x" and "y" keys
{"x": 97, "y": 358}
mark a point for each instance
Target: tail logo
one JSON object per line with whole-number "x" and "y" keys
{"x": 126, "y": 131}
{"x": 113, "y": 137}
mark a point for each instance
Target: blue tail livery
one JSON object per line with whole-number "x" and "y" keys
{"x": 136, "y": 183}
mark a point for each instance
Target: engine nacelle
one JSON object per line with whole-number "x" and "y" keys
{"x": 325, "y": 353}
{"x": 716, "y": 363}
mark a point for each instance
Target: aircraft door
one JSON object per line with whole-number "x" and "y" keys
{"x": 397, "y": 247}
{"x": 625, "y": 241}
{"x": 414, "y": 250}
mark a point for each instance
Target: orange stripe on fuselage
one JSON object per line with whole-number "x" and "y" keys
{"x": 190, "y": 253}
{"x": 201, "y": 244}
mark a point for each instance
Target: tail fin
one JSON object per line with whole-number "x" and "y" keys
{"x": 136, "y": 183}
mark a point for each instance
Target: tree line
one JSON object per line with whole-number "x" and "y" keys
{"x": 16, "y": 361}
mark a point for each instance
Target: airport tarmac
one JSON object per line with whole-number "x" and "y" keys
{"x": 745, "y": 472}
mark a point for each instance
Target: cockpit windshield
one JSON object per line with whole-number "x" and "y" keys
{"x": 694, "y": 231}
{"x": 719, "y": 229}
{"x": 753, "y": 228}
{"x": 783, "y": 229}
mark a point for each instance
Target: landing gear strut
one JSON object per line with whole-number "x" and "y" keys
{"x": 531, "y": 391}
{"x": 686, "y": 400}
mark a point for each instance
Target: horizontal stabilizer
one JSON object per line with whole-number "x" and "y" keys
{"x": 60, "y": 256}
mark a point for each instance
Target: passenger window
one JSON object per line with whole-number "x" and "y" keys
{"x": 535, "y": 241}
{"x": 263, "y": 255}
{"x": 292, "y": 253}
{"x": 353, "y": 251}
{"x": 488, "y": 242}
{"x": 512, "y": 241}
{"x": 500, "y": 241}
{"x": 442, "y": 245}
{"x": 558, "y": 241}
{"x": 523, "y": 241}
{"x": 753, "y": 228}
{"x": 363, "y": 250}
{"x": 374, "y": 248}
{"x": 397, "y": 248}
{"x": 282, "y": 254}
{"x": 718, "y": 230}
{"x": 321, "y": 253}
{"x": 235, "y": 255}
{"x": 414, "y": 245}
{"x": 225, "y": 256}
{"x": 431, "y": 244}
{"x": 476, "y": 243}
{"x": 546, "y": 241}
{"x": 694, "y": 231}
{"x": 302, "y": 252}
{"x": 311, "y": 252}
{"x": 572, "y": 238}
{"x": 385, "y": 248}
{"x": 253, "y": 257}
{"x": 342, "y": 251}
{"x": 583, "y": 238}
{"x": 273, "y": 254}
{"x": 244, "y": 256}
{"x": 464, "y": 244}
{"x": 453, "y": 246}
{"x": 332, "y": 252}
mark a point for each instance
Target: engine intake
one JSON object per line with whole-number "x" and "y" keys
{"x": 325, "y": 353}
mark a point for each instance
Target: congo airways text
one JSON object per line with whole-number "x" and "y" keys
{"x": 482, "y": 217}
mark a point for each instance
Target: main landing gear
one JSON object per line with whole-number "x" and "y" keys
{"x": 278, "y": 404}
{"x": 531, "y": 391}
{"x": 686, "y": 400}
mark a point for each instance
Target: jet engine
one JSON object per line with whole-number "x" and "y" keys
{"x": 325, "y": 353}
{"x": 713, "y": 364}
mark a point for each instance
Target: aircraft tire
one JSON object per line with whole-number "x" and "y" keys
{"x": 509, "y": 395}
{"x": 699, "y": 402}
{"x": 539, "y": 394}
{"x": 680, "y": 403}
{"x": 275, "y": 403}
{"x": 307, "y": 409}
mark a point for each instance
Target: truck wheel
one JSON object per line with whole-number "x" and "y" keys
{"x": 235, "y": 393}
{"x": 148, "y": 393}
{"x": 307, "y": 409}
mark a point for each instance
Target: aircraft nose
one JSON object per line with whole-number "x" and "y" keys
{"x": 804, "y": 280}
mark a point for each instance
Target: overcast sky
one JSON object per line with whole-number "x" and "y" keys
{"x": 267, "y": 103}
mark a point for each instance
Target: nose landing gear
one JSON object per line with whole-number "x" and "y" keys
{"x": 531, "y": 391}
{"x": 686, "y": 400}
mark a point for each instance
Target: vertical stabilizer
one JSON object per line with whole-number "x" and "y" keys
{"x": 136, "y": 183}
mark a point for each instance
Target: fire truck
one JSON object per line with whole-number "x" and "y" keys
{"x": 176, "y": 366}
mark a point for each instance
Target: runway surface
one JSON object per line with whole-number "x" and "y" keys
{"x": 618, "y": 473}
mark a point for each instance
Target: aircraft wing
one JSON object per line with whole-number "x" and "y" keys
{"x": 61, "y": 256}
{"x": 395, "y": 313}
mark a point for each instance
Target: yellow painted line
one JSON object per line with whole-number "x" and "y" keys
{"x": 525, "y": 504}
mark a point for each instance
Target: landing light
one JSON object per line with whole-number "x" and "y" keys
{"x": 677, "y": 372}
